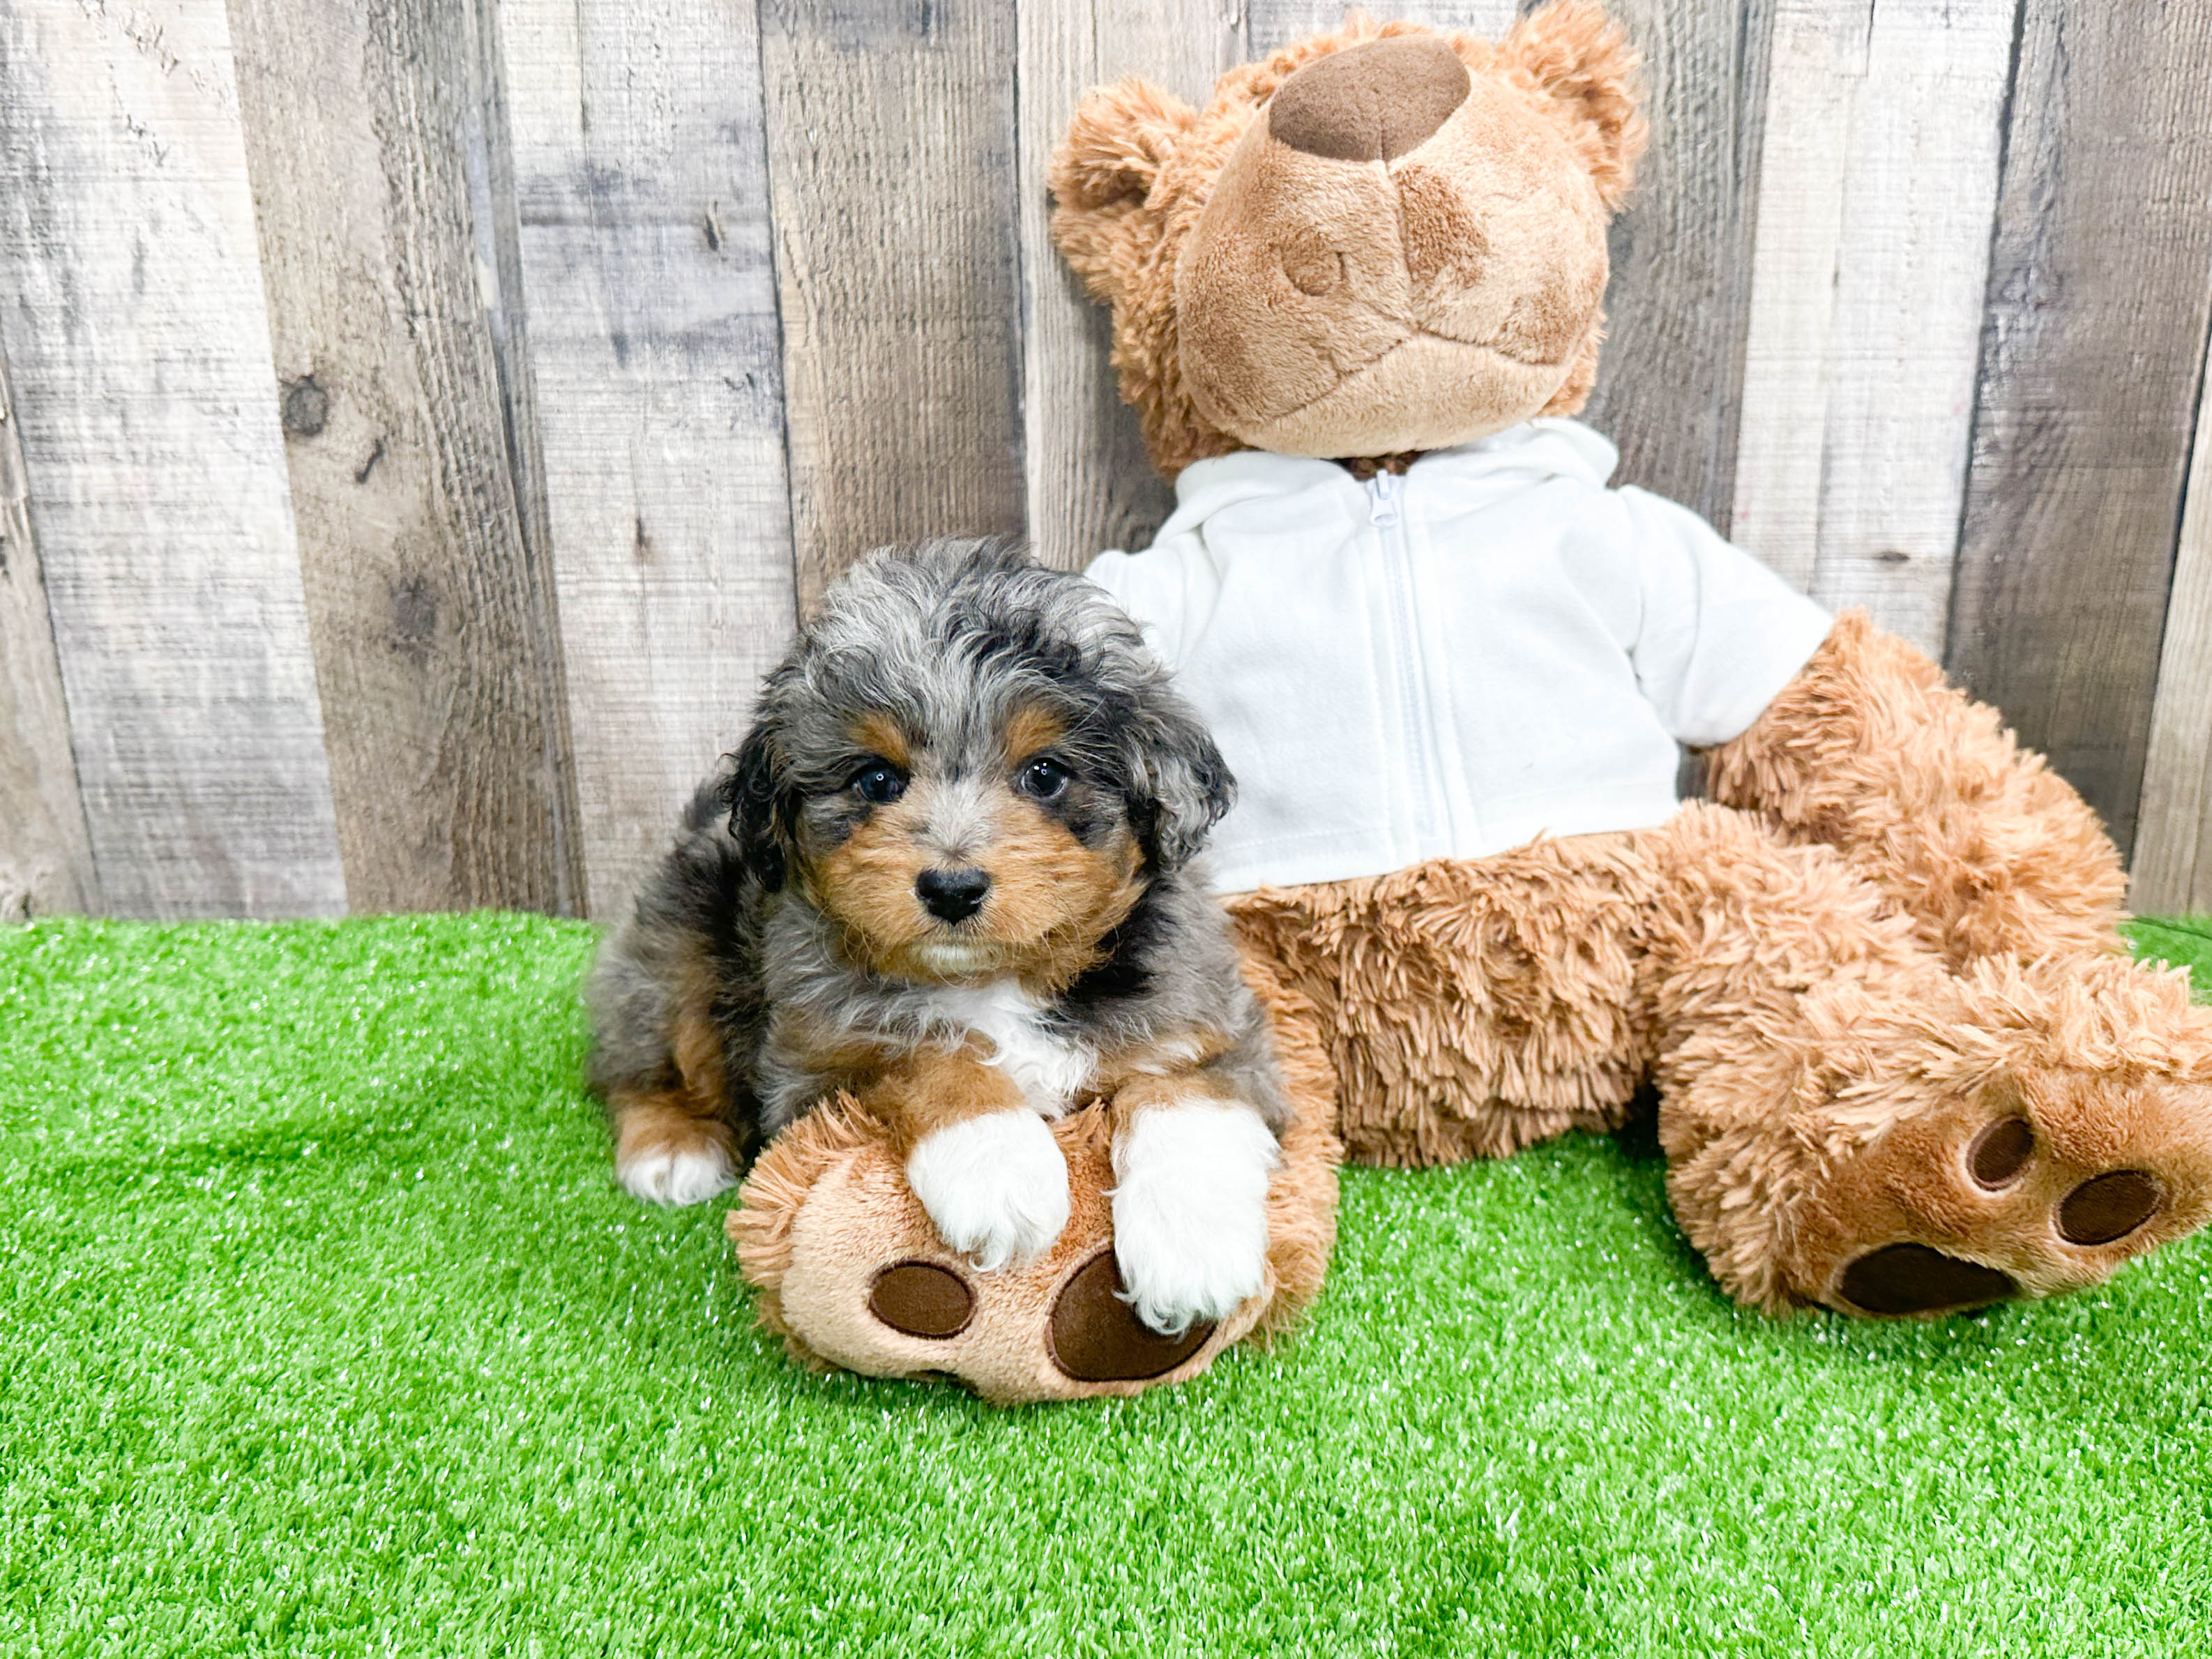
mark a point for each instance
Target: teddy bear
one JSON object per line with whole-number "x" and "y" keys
{"x": 1902, "y": 1064}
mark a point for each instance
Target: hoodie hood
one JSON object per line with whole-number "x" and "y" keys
{"x": 1522, "y": 457}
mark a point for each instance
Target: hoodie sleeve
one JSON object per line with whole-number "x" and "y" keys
{"x": 1721, "y": 635}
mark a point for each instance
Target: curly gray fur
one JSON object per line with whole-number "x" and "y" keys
{"x": 950, "y": 638}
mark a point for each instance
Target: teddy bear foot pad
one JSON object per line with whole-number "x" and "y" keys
{"x": 2039, "y": 1186}
{"x": 1090, "y": 1334}
{"x": 853, "y": 1274}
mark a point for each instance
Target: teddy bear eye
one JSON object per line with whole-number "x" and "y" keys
{"x": 878, "y": 782}
{"x": 1314, "y": 268}
{"x": 1043, "y": 779}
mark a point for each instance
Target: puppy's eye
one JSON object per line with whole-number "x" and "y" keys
{"x": 878, "y": 782}
{"x": 1043, "y": 780}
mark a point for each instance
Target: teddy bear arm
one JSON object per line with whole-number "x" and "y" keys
{"x": 1870, "y": 751}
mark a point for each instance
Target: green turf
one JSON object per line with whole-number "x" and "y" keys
{"x": 325, "y": 1331}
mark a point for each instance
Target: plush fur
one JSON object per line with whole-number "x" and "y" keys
{"x": 1821, "y": 1074}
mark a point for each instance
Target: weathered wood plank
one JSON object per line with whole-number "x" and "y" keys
{"x": 1679, "y": 300}
{"x": 641, "y": 180}
{"x": 2172, "y": 871}
{"x": 1816, "y": 77}
{"x": 2097, "y": 307}
{"x": 1090, "y": 486}
{"x": 138, "y": 339}
{"x": 1877, "y": 190}
{"x": 1275, "y": 23}
{"x": 46, "y": 853}
{"x": 891, "y": 156}
{"x": 435, "y": 645}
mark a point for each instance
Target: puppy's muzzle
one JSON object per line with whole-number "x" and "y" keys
{"x": 952, "y": 894}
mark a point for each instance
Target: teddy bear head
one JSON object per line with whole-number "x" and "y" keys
{"x": 1379, "y": 240}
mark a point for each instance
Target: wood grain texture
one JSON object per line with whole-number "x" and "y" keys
{"x": 640, "y": 177}
{"x": 1089, "y": 484}
{"x": 2173, "y": 865}
{"x": 891, "y": 156}
{"x": 1877, "y": 186}
{"x": 138, "y": 341}
{"x": 45, "y": 852}
{"x": 2099, "y": 285}
{"x": 1275, "y": 23}
{"x": 1816, "y": 75}
{"x": 1679, "y": 300}
{"x": 435, "y": 644}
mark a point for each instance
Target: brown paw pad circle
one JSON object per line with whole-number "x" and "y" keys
{"x": 1913, "y": 1279}
{"x": 922, "y": 1299}
{"x": 2001, "y": 1151}
{"x": 1096, "y": 1337}
{"x": 2108, "y": 1206}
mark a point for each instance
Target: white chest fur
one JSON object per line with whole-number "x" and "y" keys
{"x": 1047, "y": 1065}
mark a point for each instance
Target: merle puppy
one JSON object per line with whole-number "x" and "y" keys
{"x": 950, "y": 871}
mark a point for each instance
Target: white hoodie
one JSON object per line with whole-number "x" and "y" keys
{"x": 1492, "y": 648}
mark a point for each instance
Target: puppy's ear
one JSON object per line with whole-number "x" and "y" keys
{"x": 1580, "y": 59}
{"x": 758, "y": 800}
{"x": 1120, "y": 139}
{"x": 1182, "y": 785}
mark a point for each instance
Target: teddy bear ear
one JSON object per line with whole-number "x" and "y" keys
{"x": 1581, "y": 58}
{"x": 1120, "y": 139}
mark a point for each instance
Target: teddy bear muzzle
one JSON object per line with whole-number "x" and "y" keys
{"x": 1397, "y": 255}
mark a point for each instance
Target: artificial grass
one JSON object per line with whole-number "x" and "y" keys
{"x": 324, "y": 1330}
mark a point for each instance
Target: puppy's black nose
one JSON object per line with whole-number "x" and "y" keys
{"x": 952, "y": 894}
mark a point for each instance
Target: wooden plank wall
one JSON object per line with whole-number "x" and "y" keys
{"x": 429, "y": 604}
{"x": 1876, "y": 188}
{"x": 428, "y": 416}
{"x": 45, "y": 852}
{"x": 137, "y": 342}
{"x": 641, "y": 202}
{"x": 2092, "y": 343}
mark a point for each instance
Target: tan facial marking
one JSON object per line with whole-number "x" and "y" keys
{"x": 1051, "y": 900}
{"x": 1057, "y": 895}
{"x": 1030, "y": 730}
{"x": 879, "y": 734}
{"x": 867, "y": 882}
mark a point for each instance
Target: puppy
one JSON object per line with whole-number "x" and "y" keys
{"x": 950, "y": 871}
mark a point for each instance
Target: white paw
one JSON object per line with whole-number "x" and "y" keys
{"x": 996, "y": 1186}
{"x": 1190, "y": 1212}
{"x": 677, "y": 1176}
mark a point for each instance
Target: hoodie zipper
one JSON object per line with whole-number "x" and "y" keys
{"x": 1385, "y": 493}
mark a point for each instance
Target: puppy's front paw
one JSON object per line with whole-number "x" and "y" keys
{"x": 1190, "y": 1212}
{"x": 996, "y": 1186}
{"x": 676, "y": 1175}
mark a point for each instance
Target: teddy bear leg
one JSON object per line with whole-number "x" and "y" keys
{"x": 1869, "y": 752}
{"x": 1850, "y": 1124}
{"x": 1471, "y": 1008}
{"x": 851, "y": 1274}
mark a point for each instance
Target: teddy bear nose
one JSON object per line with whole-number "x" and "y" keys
{"x": 952, "y": 894}
{"x": 1369, "y": 103}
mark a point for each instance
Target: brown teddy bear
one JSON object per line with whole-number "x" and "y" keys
{"x": 1902, "y": 1063}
